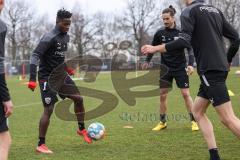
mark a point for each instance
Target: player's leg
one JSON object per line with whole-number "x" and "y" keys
{"x": 199, "y": 110}
{"x": 5, "y": 138}
{"x": 182, "y": 81}
{"x": 70, "y": 90}
{"x": 49, "y": 98}
{"x": 44, "y": 123}
{"x": 78, "y": 109}
{"x": 165, "y": 87}
{"x": 228, "y": 118}
{"x": 5, "y": 142}
{"x": 214, "y": 90}
{"x": 163, "y": 104}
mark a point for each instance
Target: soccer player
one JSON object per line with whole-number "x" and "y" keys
{"x": 203, "y": 27}
{"x": 50, "y": 55}
{"x": 6, "y": 106}
{"x": 175, "y": 63}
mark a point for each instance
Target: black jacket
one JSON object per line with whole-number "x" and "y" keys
{"x": 203, "y": 27}
{"x": 175, "y": 60}
{"x": 4, "y": 94}
{"x": 49, "y": 54}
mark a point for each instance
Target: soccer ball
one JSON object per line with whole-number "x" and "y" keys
{"x": 96, "y": 131}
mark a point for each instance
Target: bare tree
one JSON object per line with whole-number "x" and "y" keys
{"x": 231, "y": 10}
{"x": 83, "y": 31}
{"x": 18, "y": 17}
{"x": 141, "y": 16}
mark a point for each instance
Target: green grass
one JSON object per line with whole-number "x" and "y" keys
{"x": 177, "y": 142}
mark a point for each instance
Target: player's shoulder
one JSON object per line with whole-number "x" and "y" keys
{"x": 160, "y": 30}
{"x": 178, "y": 28}
{"x": 187, "y": 11}
{"x": 48, "y": 37}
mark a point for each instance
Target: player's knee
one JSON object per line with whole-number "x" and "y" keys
{"x": 185, "y": 94}
{"x": 6, "y": 141}
{"x": 78, "y": 99}
{"x": 163, "y": 97}
{"x": 197, "y": 115}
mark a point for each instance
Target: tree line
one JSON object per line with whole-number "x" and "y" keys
{"x": 90, "y": 33}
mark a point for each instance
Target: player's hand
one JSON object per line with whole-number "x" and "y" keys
{"x": 190, "y": 70}
{"x": 8, "y": 108}
{"x": 145, "y": 66}
{"x": 70, "y": 71}
{"x": 149, "y": 49}
{"x": 32, "y": 85}
{"x": 229, "y": 66}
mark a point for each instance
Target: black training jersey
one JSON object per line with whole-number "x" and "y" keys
{"x": 4, "y": 94}
{"x": 175, "y": 60}
{"x": 49, "y": 54}
{"x": 203, "y": 27}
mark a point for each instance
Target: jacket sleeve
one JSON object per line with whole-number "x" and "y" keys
{"x": 39, "y": 51}
{"x": 4, "y": 93}
{"x": 156, "y": 41}
{"x": 230, "y": 33}
{"x": 190, "y": 56}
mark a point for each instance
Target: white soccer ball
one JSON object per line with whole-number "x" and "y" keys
{"x": 96, "y": 131}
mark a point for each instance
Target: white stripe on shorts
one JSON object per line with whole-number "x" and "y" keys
{"x": 205, "y": 80}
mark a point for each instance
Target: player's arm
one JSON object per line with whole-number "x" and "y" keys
{"x": 5, "y": 96}
{"x": 156, "y": 41}
{"x": 230, "y": 33}
{"x": 184, "y": 41}
{"x": 39, "y": 51}
{"x": 190, "y": 68}
{"x": 4, "y": 93}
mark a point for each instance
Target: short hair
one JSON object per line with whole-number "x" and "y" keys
{"x": 62, "y": 13}
{"x": 170, "y": 10}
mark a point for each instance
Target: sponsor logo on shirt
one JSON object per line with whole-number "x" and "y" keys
{"x": 59, "y": 53}
{"x": 209, "y": 9}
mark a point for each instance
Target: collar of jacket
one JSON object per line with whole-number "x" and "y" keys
{"x": 58, "y": 31}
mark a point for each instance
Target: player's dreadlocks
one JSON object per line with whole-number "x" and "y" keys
{"x": 62, "y": 13}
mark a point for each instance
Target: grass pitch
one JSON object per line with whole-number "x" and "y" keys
{"x": 177, "y": 142}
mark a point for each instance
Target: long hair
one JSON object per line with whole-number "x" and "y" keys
{"x": 170, "y": 10}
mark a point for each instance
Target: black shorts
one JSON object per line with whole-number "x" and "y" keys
{"x": 3, "y": 120}
{"x": 50, "y": 91}
{"x": 213, "y": 87}
{"x": 181, "y": 78}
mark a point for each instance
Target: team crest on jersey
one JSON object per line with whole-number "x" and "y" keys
{"x": 48, "y": 100}
{"x": 59, "y": 46}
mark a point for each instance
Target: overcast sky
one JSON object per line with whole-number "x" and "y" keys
{"x": 89, "y": 6}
